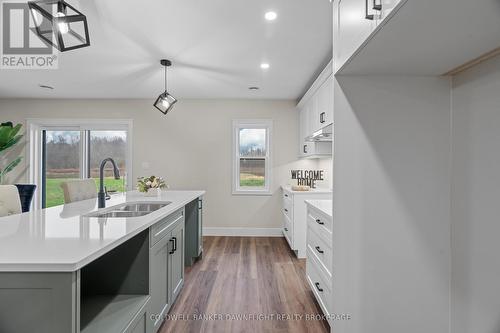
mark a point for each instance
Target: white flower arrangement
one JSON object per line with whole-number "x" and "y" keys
{"x": 144, "y": 184}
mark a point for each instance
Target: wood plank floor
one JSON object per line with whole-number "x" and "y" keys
{"x": 245, "y": 276}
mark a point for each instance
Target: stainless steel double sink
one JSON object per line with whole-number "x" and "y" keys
{"x": 131, "y": 209}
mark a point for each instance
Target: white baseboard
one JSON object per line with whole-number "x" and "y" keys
{"x": 243, "y": 232}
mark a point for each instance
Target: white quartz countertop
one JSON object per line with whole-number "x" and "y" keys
{"x": 324, "y": 206}
{"x": 63, "y": 238}
{"x": 313, "y": 190}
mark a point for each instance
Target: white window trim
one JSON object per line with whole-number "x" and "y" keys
{"x": 251, "y": 123}
{"x": 33, "y": 154}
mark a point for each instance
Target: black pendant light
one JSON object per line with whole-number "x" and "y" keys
{"x": 59, "y": 24}
{"x": 165, "y": 101}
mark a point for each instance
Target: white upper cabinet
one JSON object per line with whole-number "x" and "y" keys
{"x": 310, "y": 148}
{"x": 315, "y": 113}
{"x": 324, "y": 107}
{"x": 354, "y": 21}
{"x": 303, "y": 130}
{"x": 386, "y": 6}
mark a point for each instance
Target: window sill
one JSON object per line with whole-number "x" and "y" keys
{"x": 254, "y": 193}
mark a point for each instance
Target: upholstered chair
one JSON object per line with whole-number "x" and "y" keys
{"x": 10, "y": 203}
{"x": 78, "y": 190}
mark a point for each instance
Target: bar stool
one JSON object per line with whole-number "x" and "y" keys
{"x": 78, "y": 190}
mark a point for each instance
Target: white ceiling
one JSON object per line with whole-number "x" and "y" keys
{"x": 216, "y": 47}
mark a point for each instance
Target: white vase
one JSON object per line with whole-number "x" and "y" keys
{"x": 152, "y": 192}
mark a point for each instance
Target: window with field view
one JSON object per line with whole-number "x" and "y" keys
{"x": 104, "y": 144}
{"x": 62, "y": 163}
{"x": 77, "y": 154}
{"x": 252, "y": 171}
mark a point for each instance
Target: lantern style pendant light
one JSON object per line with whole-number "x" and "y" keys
{"x": 59, "y": 24}
{"x": 165, "y": 101}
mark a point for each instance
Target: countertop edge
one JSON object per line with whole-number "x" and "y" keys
{"x": 314, "y": 191}
{"x": 314, "y": 204}
{"x": 75, "y": 266}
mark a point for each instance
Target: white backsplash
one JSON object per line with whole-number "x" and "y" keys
{"x": 314, "y": 164}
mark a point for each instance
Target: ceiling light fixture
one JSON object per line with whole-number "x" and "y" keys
{"x": 65, "y": 30}
{"x": 165, "y": 101}
{"x": 264, "y": 65}
{"x": 271, "y": 16}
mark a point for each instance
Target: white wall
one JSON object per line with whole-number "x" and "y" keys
{"x": 326, "y": 164}
{"x": 476, "y": 200}
{"x": 191, "y": 147}
{"x": 391, "y": 204}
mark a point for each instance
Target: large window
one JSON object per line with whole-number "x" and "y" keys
{"x": 61, "y": 150}
{"x": 61, "y": 162}
{"x": 251, "y": 157}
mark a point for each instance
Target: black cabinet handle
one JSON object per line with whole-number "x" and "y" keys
{"x": 318, "y": 221}
{"x": 286, "y": 229}
{"x": 286, "y": 210}
{"x": 368, "y": 16}
{"x": 322, "y": 117}
{"x": 286, "y": 195}
{"x": 317, "y": 287}
{"x": 319, "y": 249}
{"x": 377, "y": 6}
{"x": 305, "y": 149}
{"x": 173, "y": 246}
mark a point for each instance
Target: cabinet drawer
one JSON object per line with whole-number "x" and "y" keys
{"x": 321, "y": 250}
{"x": 288, "y": 208}
{"x": 319, "y": 283}
{"x": 162, "y": 227}
{"x": 287, "y": 195}
{"x": 288, "y": 230}
{"x": 321, "y": 224}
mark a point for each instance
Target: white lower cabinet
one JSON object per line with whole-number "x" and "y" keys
{"x": 319, "y": 263}
{"x": 294, "y": 213}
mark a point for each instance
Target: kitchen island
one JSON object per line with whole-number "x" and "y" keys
{"x": 74, "y": 268}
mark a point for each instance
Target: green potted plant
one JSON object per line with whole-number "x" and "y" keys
{"x": 9, "y": 137}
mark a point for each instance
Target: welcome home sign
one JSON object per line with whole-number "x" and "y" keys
{"x": 308, "y": 177}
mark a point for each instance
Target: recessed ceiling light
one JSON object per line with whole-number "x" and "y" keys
{"x": 253, "y": 88}
{"x": 271, "y": 16}
{"x": 264, "y": 65}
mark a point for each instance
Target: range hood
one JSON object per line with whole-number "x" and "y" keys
{"x": 324, "y": 134}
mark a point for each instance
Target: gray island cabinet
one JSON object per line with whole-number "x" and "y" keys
{"x": 64, "y": 270}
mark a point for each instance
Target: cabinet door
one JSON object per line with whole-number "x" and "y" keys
{"x": 352, "y": 28}
{"x": 302, "y": 130}
{"x": 386, "y": 8}
{"x": 324, "y": 114}
{"x": 200, "y": 226}
{"x": 159, "y": 274}
{"x": 139, "y": 323}
{"x": 328, "y": 89}
{"x": 312, "y": 114}
{"x": 177, "y": 261}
